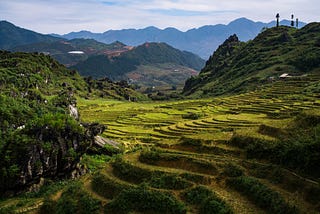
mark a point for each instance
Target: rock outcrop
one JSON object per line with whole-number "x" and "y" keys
{"x": 53, "y": 154}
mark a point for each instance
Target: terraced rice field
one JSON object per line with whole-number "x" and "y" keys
{"x": 186, "y": 144}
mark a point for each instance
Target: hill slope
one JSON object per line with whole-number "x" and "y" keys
{"x": 128, "y": 64}
{"x": 201, "y": 41}
{"x": 41, "y": 136}
{"x": 237, "y": 66}
{"x": 12, "y": 36}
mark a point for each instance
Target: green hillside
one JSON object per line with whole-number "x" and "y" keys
{"x": 24, "y": 72}
{"x": 239, "y": 67}
{"x": 128, "y": 64}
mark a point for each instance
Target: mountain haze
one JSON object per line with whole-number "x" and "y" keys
{"x": 202, "y": 41}
{"x": 149, "y": 64}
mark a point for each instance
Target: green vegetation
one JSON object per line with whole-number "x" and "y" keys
{"x": 143, "y": 200}
{"x": 206, "y": 200}
{"x": 106, "y": 186}
{"x": 211, "y": 142}
{"x": 34, "y": 118}
{"x": 73, "y": 200}
{"x": 266, "y": 198}
{"x": 237, "y": 67}
{"x": 296, "y": 147}
{"x": 39, "y": 137}
{"x": 153, "y": 178}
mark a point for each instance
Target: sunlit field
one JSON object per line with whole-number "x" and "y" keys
{"x": 211, "y": 150}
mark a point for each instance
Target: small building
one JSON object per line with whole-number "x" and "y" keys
{"x": 284, "y": 75}
{"x": 75, "y": 52}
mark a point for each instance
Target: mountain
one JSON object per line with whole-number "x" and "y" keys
{"x": 148, "y": 64}
{"x": 73, "y": 51}
{"x": 12, "y": 36}
{"x": 276, "y": 53}
{"x": 201, "y": 41}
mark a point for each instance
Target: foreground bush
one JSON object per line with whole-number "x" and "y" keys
{"x": 106, "y": 187}
{"x": 207, "y": 201}
{"x": 298, "y": 149}
{"x": 167, "y": 181}
{"x": 262, "y": 195}
{"x": 144, "y": 200}
{"x": 73, "y": 200}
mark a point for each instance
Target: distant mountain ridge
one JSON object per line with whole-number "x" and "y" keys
{"x": 151, "y": 63}
{"x": 201, "y": 41}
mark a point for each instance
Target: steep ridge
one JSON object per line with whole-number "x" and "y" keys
{"x": 277, "y": 53}
{"x": 12, "y": 36}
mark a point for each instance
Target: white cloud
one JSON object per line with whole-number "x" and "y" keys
{"x": 61, "y": 16}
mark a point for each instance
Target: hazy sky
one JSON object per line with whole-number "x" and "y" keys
{"x": 63, "y": 16}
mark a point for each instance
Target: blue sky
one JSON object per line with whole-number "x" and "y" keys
{"x": 61, "y": 16}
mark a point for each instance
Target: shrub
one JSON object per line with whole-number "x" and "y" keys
{"x": 191, "y": 142}
{"x": 232, "y": 170}
{"x": 144, "y": 200}
{"x": 73, "y": 200}
{"x": 130, "y": 172}
{"x": 206, "y": 200}
{"x": 167, "y": 181}
{"x": 195, "y": 178}
{"x": 262, "y": 195}
{"x": 192, "y": 116}
{"x": 149, "y": 156}
{"x": 107, "y": 187}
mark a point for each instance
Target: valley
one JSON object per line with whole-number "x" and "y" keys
{"x": 178, "y": 146}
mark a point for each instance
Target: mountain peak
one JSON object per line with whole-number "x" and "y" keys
{"x": 241, "y": 22}
{"x": 151, "y": 28}
{"x": 4, "y": 22}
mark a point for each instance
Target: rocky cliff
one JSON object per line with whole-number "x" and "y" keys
{"x": 40, "y": 133}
